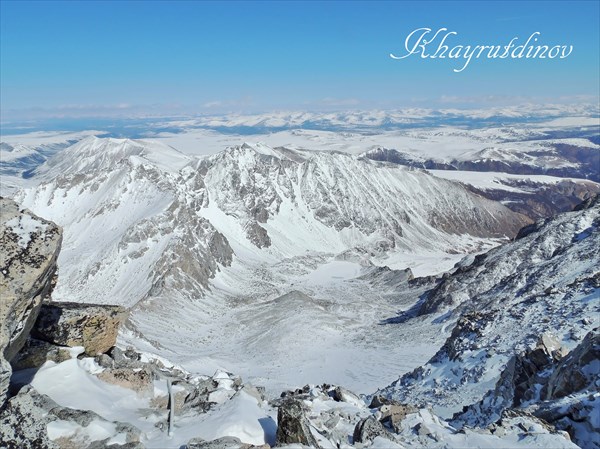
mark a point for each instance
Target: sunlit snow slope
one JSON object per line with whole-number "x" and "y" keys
{"x": 250, "y": 255}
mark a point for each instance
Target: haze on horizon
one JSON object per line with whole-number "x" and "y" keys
{"x": 103, "y": 59}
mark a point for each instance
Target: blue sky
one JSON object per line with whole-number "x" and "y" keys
{"x": 103, "y": 58}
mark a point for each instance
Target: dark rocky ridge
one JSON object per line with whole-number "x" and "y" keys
{"x": 587, "y": 161}
{"x": 539, "y": 200}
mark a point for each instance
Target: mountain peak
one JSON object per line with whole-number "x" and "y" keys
{"x": 93, "y": 153}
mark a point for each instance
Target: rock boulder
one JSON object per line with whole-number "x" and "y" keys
{"x": 92, "y": 326}
{"x": 367, "y": 429}
{"x": 33, "y": 421}
{"x": 293, "y": 426}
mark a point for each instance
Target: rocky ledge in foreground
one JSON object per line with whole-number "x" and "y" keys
{"x": 29, "y": 248}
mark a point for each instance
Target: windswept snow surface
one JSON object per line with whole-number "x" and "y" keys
{"x": 249, "y": 260}
{"x": 72, "y": 384}
{"x": 243, "y": 415}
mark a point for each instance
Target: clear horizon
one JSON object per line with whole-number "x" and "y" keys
{"x": 106, "y": 59}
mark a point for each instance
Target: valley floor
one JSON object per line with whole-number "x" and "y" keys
{"x": 311, "y": 319}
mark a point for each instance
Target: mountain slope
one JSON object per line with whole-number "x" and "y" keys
{"x": 196, "y": 246}
{"x": 20, "y": 155}
{"x": 355, "y": 200}
{"x": 545, "y": 282}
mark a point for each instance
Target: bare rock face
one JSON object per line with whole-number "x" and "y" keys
{"x": 293, "y": 426}
{"x": 92, "y": 326}
{"x": 258, "y": 235}
{"x": 367, "y": 429}
{"x": 578, "y": 371}
{"x": 37, "y": 352}
{"x": 29, "y": 249}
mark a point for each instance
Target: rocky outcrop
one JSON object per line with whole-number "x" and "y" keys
{"x": 545, "y": 383}
{"x": 578, "y": 371}
{"x": 552, "y": 243}
{"x": 499, "y": 304}
{"x": 576, "y": 415}
{"x": 367, "y": 429}
{"x": 37, "y": 352}
{"x": 30, "y": 247}
{"x": 293, "y": 426}
{"x": 257, "y": 234}
{"x": 520, "y": 382}
{"x": 222, "y": 443}
{"x": 341, "y": 394}
{"x": 34, "y": 421}
{"x": 392, "y": 414}
{"x": 139, "y": 380}
{"x": 92, "y": 326}
{"x": 571, "y": 393}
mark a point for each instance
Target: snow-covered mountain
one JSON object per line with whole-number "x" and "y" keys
{"x": 121, "y": 397}
{"x": 153, "y": 229}
{"x": 284, "y": 201}
{"x": 578, "y": 158}
{"x": 389, "y": 119}
{"x": 545, "y": 283}
{"x": 20, "y": 155}
{"x": 290, "y": 267}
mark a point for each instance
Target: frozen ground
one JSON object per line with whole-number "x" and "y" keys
{"x": 289, "y": 325}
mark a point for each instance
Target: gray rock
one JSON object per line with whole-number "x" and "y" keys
{"x": 341, "y": 394}
{"x": 570, "y": 375}
{"x": 293, "y": 426}
{"x": 24, "y": 424}
{"x": 519, "y": 382}
{"x": 103, "y": 445}
{"x": 30, "y": 246}
{"x": 257, "y": 235}
{"x": 367, "y": 429}
{"x": 379, "y": 400}
{"x": 92, "y": 326}
{"x": 219, "y": 443}
{"x": 424, "y": 431}
{"x": 139, "y": 381}
{"x": 105, "y": 361}
{"x": 37, "y": 352}
{"x": 124, "y": 359}
{"x": 577, "y": 416}
{"x": 393, "y": 414}
{"x": 222, "y": 443}
{"x": 538, "y": 379}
